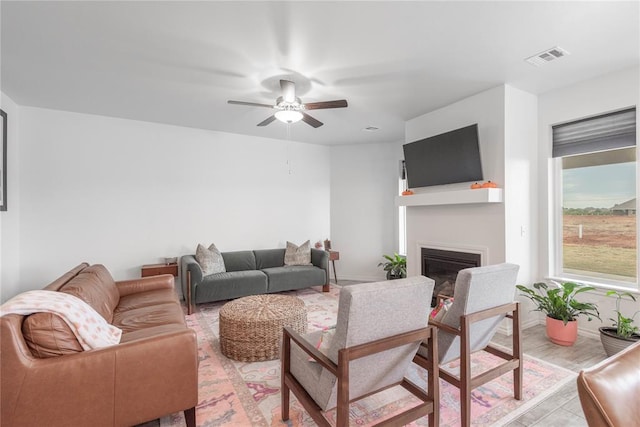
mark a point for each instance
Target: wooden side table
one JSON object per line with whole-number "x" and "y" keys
{"x": 333, "y": 257}
{"x": 157, "y": 269}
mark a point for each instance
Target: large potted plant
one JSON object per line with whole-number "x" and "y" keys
{"x": 623, "y": 333}
{"x": 395, "y": 266}
{"x": 561, "y": 308}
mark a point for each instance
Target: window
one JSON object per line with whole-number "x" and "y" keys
{"x": 596, "y": 226}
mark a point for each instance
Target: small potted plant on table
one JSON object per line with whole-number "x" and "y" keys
{"x": 622, "y": 334}
{"x": 395, "y": 266}
{"x": 561, "y": 308}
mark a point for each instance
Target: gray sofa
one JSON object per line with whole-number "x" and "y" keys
{"x": 251, "y": 273}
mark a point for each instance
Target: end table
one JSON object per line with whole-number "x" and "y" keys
{"x": 333, "y": 257}
{"x": 157, "y": 269}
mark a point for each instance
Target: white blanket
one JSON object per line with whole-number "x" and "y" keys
{"x": 91, "y": 329}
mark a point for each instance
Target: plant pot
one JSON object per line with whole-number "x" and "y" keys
{"x": 393, "y": 276}
{"x": 612, "y": 343}
{"x": 561, "y": 334}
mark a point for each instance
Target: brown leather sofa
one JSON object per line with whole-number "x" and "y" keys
{"x": 48, "y": 380}
{"x": 610, "y": 391}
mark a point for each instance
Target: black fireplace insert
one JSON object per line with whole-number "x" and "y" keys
{"x": 443, "y": 266}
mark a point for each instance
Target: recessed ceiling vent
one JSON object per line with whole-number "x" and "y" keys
{"x": 547, "y": 56}
{"x": 371, "y": 129}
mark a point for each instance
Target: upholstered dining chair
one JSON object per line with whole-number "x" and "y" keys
{"x": 378, "y": 331}
{"x": 482, "y": 298}
{"x": 609, "y": 391}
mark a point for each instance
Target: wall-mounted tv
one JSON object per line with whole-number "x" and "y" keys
{"x": 447, "y": 158}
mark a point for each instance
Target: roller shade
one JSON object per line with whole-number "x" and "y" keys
{"x": 606, "y": 132}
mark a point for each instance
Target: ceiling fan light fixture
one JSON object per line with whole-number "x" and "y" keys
{"x": 288, "y": 116}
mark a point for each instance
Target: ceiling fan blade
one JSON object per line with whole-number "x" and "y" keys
{"x": 267, "y": 121}
{"x": 288, "y": 91}
{"x": 341, "y": 103}
{"x": 310, "y": 120}
{"x": 253, "y": 104}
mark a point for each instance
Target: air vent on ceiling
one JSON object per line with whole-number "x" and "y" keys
{"x": 371, "y": 129}
{"x": 547, "y": 56}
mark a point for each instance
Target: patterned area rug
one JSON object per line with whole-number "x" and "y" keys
{"x": 235, "y": 393}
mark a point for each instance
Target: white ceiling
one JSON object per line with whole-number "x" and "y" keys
{"x": 179, "y": 62}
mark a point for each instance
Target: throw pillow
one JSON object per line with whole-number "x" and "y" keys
{"x": 210, "y": 260}
{"x": 438, "y": 313}
{"x": 298, "y": 255}
{"x": 324, "y": 341}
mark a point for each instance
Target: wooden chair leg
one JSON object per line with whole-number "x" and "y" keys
{"x": 342, "y": 415}
{"x": 517, "y": 352}
{"x": 190, "y": 417}
{"x": 433, "y": 379}
{"x": 188, "y": 295}
{"x": 286, "y": 367}
{"x": 465, "y": 372}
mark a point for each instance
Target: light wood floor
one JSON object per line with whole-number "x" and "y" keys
{"x": 563, "y": 407}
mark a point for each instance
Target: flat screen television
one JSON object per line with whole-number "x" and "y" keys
{"x": 447, "y": 158}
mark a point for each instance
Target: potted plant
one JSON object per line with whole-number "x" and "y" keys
{"x": 622, "y": 334}
{"x": 561, "y": 308}
{"x": 395, "y": 266}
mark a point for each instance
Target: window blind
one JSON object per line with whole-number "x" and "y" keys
{"x": 605, "y": 132}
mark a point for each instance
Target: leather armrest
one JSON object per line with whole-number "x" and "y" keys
{"x": 159, "y": 373}
{"x": 124, "y": 384}
{"x": 144, "y": 284}
{"x": 609, "y": 391}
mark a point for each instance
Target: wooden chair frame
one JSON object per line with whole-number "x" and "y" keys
{"x": 465, "y": 382}
{"x": 430, "y": 399}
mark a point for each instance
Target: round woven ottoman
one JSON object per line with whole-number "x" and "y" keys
{"x": 251, "y": 327}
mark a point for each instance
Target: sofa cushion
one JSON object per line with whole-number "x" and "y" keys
{"x": 230, "y": 285}
{"x": 294, "y": 277}
{"x": 47, "y": 335}
{"x": 149, "y": 317}
{"x": 239, "y": 260}
{"x": 210, "y": 259}
{"x": 60, "y": 281}
{"x": 95, "y": 286}
{"x": 267, "y": 258}
{"x": 145, "y": 299}
{"x": 298, "y": 255}
{"x": 150, "y": 332}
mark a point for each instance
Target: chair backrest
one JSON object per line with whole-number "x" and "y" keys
{"x": 371, "y": 311}
{"x": 477, "y": 289}
{"x": 609, "y": 390}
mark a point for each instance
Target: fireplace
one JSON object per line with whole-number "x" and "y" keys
{"x": 442, "y": 266}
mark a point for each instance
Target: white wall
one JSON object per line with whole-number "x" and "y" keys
{"x": 460, "y": 226}
{"x": 595, "y": 96}
{"x": 125, "y": 193}
{"x": 364, "y": 182}
{"x": 521, "y": 182}
{"x": 10, "y": 219}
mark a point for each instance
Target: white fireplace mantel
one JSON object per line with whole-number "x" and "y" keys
{"x": 455, "y": 197}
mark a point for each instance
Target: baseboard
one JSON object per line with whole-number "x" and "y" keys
{"x": 588, "y": 333}
{"x": 506, "y": 327}
{"x": 361, "y": 278}
{"x": 531, "y": 322}
{"x": 581, "y": 331}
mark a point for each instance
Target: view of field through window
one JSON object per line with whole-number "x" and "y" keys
{"x": 599, "y": 216}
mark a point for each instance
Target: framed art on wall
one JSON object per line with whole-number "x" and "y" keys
{"x": 3, "y": 163}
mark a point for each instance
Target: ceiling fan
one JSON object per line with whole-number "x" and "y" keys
{"x": 290, "y": 109}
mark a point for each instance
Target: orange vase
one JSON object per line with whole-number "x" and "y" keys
{"x": 562, "y": 334}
